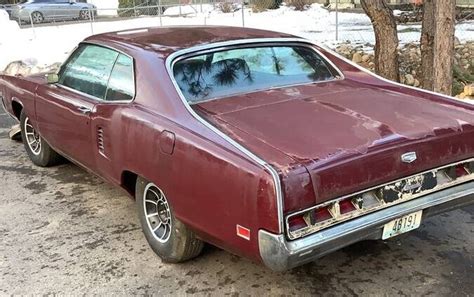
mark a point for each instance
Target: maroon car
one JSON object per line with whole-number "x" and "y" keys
{"x": 261, "y": 143}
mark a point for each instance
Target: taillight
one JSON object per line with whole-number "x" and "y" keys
{"x": 461, "y": 170}
{"x": 349, "y": 207}
{"x": 457, "y": 171}
{"x": 346, "y": 206}
{"x": 296, "y": 223}
{"x": 322, "y": 214}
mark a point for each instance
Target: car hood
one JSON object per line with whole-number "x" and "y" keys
{"x": 346, "y": 135}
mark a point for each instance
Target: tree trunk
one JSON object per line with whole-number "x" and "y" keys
{"x": 386, "y": 38}
{"x": 445, "y": 11}
{"x": 427, "y": 44}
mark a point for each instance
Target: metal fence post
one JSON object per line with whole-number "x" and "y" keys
{"x": 337, "y": 20}
{"x": 201, "y": 6}
{"x": 242, "y": 7}
{"x": 91, "y": 21}
{"x": 32, "y": 25}
{"x": 160, "y": 11}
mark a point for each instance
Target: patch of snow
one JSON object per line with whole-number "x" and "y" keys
{"x": 105, "y": 7}
{"x": 52, "y": 43}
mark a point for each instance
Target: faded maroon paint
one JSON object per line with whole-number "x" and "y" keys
{"x": 348, "y": 135}
{"x": 319, "y": 143}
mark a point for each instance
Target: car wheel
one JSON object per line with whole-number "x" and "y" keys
{"x": 169, "y": 238}
{"x": 37, "y": 17}
{"x": 39, "y": 152}
{"x": 84, "y": 14}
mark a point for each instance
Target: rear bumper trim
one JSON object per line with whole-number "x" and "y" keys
{"x": 280, "y": 254}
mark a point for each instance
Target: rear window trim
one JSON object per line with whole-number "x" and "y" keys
{"x": 337, "y": 77}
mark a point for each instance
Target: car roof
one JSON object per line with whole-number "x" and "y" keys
{"x": 167, "y": 40}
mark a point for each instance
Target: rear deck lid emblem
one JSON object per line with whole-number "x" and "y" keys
{"x": 409, "y": 157}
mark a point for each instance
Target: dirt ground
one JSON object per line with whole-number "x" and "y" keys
{"x": 65, "y": 231}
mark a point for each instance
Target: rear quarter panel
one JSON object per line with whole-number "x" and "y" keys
{"x": 21, "y": 91}
{"x": 210, "y": 188}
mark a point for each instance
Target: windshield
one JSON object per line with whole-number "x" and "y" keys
{"x": 238, "y": 71}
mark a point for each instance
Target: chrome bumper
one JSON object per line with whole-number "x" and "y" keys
{"x": 280, "y": 254}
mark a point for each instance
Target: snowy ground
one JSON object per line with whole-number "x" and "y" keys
{"x": 49, "y": 44}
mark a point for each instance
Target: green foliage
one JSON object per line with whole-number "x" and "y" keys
{"x": 124, "y": 4}
{"x": 462, "y": 77}
{"x": 129, "y": 3}
{"x": 276, "y": 4}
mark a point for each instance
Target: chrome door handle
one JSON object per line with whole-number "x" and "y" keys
{"x": 84, "y": 110}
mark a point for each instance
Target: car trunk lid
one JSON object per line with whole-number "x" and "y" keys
{"x": 348, "y": 137}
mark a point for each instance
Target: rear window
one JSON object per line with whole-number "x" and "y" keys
{"x": 238, "y": 71}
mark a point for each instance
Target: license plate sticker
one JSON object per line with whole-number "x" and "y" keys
{"x": 402, "y": 225}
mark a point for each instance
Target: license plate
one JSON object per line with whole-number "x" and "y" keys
{"x": 402, "y": 225}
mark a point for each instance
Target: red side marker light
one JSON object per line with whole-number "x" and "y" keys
{"x": 243, "y": 232}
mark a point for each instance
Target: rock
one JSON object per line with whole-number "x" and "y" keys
{"x": 357, "y": 58}
{"x": 29, "y": 67}
{"x": 365, "y": 58}
{"x": 456, "y": 41}
{"x": 469, "y": 90}
{"x": 417, "y": 83}
{"x": 409, "y": 79}
{"x": 19, "y": 68}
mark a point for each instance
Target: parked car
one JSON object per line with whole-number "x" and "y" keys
{"x": 39, "y": 11}
{"x": 264, "y": 144}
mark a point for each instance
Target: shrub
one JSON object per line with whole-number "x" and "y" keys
{"x": 124, "y": 4}
{"x": 300, "y": 4}
{"x": 262, "y": 5}
{"x": 226, "y": 7}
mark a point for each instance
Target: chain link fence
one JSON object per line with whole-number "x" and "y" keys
{"x": 331, "y": 20}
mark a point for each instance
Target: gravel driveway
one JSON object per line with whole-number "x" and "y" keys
{"x": 65, "y": 231}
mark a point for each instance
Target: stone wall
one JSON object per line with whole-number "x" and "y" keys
{"x": 410, "y": 62}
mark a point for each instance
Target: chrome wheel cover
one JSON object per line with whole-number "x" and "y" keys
{"x": 84, "y": 14}
{"x": 32, "y": 138}
{"x": 157, "y": 213}
{"x": 37, "y": 17}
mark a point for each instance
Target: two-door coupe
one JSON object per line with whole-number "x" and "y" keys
{"x": 261, "y": 143}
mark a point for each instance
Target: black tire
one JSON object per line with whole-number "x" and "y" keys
{"x": 43, "y": 156}
{"x": 37, "y": 17}
{"x": 182, "y": 244}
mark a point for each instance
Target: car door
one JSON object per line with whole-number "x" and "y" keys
{"x": 64, "y": 109}
{"x": 72, "y": 9}
{"x": 45, "y": 7}
{"x": 107, "y": 121}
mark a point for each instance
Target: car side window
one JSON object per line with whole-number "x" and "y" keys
{"x": 89, "y": 69}
{"x": 121, "y": 83}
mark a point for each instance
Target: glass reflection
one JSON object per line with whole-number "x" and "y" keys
{"x": 226, "y": 73}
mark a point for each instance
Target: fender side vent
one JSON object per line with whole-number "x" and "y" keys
{"x": 100, "y": 140}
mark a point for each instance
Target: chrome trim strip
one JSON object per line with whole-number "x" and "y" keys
{"x": 279, "y": 254}
{"x": 170, "y": 61}
{"x": 427, "y": 192}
